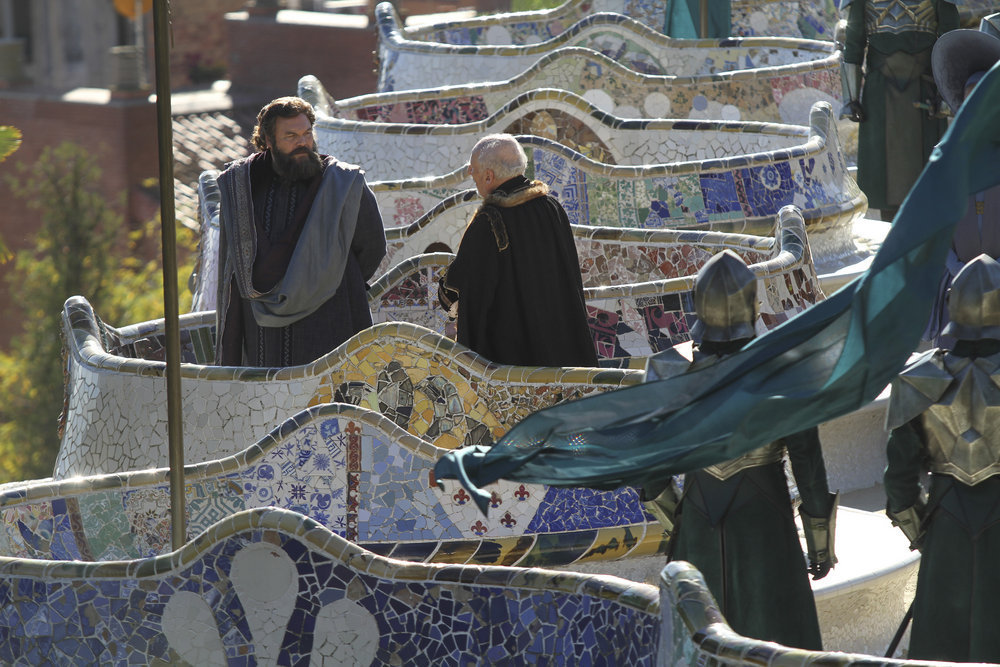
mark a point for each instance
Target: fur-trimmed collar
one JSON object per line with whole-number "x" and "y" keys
{"x": 502, "y": 199}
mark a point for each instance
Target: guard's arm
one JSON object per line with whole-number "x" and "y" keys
{"x": 662, "y": 503}
{"x": 820, "y": 532}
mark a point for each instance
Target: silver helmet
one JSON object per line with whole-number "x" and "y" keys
{"x": 974, "y": 300}
{"x": 725, "y": 299}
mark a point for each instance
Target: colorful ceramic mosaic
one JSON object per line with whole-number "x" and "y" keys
{"x": 697, "y": 634}
{"x": 273, "y": 587}
{"x": 352, "y": 470}
{"x": 115, "y": 418}
{"x": 719, "y": 180}
{"x": 791, "y": 18}
{"x": 768, "y": 93}
{"x": 406, "y": 64}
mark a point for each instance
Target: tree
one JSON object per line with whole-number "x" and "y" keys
{"x": 81, "y": 248}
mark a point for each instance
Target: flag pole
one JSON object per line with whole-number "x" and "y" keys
{"x": 175, "y": 435}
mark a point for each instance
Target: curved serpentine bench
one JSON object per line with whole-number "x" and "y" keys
{"x": 115, "y": 417}
{"x": 777, "y": 94}
{"x": 350, "y": 469}
{"x": 720, "y": 176}
{"x": 792, "y": 18}
{"x": 273, "y": 587}
{"x": 405, "y": 64}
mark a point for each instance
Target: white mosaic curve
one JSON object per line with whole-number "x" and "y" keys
{"x": 792, "y": 18}
{"x": 759, "y": 94}
{"x": 389, "y": 151}
{"x": 406, "y": 64}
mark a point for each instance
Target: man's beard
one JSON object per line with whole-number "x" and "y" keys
{"x": 290, "y": 166}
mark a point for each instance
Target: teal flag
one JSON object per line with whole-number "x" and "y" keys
{"x": 827, "y": 361}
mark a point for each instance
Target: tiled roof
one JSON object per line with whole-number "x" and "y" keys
{"x": 205, "y": 140}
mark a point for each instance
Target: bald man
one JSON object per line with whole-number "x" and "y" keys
{"x": 515, "y": 284}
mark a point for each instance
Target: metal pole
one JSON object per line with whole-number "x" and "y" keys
{"x": 704, "y": 19}
{"x": 175, "y": 436}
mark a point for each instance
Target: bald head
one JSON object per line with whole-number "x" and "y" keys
{"x": 496, "y": 158}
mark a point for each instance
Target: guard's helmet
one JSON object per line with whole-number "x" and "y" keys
{"x": 725, "y": 299}
{"x": 974, "y": 300}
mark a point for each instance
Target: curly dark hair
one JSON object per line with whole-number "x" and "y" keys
{"x": 284, "y": 107}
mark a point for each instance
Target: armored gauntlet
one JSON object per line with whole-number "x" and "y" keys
{"x": 820, "y": 533}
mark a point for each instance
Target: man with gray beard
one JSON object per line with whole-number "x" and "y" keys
{"x": 299, "y": 235}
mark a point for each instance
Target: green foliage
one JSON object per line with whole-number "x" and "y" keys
{"x": 10, "y": 139}
{"x": 533, "y": 5}
{"x": 82, "y": 248}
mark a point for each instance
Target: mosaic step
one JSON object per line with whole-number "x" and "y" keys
{"x": 272, "y": 587}
{"x": 352, "y": 470}
{"x": 792, "y": 18}
{"x": 405, "y": 64}
{"x": 115, "y": 408}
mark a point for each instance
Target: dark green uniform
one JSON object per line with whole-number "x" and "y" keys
{"x": 956, "y": 610}
{"x": 894, "y": 38}
{"x": 740, "y": 534}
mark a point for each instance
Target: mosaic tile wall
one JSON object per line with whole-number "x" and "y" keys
{"x": 792, "y": 18}
{"x": 390, "y": 151}
{"x": 770, "y": 94}
{"x": 116, "y": 413}
{"x": 694, "y": 632}
{"x": 115, "y": 418}
{"x": 273, "y": 587}
{"x": 405, "y": 64}
{"x": 350, "y": 469}
{"x": 718, "y": 188}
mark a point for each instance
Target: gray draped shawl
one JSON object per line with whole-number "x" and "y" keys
{"x": 317, "y": 263}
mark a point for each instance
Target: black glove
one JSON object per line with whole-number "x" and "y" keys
{"x": 853, "y": 111}
{"x": 820, "y": 569}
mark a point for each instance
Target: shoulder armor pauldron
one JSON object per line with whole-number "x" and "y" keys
{"x": 962, "y": 427}
{"x": 921, "y": 382}
{"x": 897, "y": 16}
{"x": 770, "y": 453}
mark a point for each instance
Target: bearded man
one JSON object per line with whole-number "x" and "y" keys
{"x": 299, "y": 235}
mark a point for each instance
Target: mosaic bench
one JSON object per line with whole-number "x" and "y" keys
{"x": 272, "y": 587}
{"x": 389, "y": 151}
{"x": 724, "y": 176}
{"x": 115, "y": 414}
{"x": 767, "y": 94}
{"x": 405, "y": 64}
{"x": 352, "y": 470}
{"x": 793, "y": 18}
{"x": 437, "y": 389}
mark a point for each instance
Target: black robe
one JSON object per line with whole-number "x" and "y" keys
{"x": 517, "y": 280}
{"x": 280, "y": 211}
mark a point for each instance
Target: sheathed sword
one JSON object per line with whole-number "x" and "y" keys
{"x": 900, "y": 631}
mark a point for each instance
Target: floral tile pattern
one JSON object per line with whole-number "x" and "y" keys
{"x": 349, "y": 469}
{"x": 272, "y": 587}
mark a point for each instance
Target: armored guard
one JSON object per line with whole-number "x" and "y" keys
{"x": 944, "y": 417}
{"x": 960, "y": 59}
{"x": 734, "y": 520}
{"x": 889, "y": 89}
